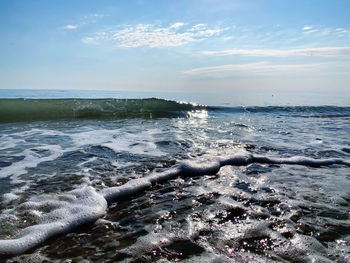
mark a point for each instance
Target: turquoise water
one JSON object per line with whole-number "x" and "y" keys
{"x": 154, "y": 180}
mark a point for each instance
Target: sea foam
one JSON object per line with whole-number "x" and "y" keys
{"x": 85, "y": 205}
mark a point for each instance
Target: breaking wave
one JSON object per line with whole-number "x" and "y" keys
{"x": 13, "y": 110}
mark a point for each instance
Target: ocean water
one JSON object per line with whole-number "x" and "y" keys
{"x": 154, "y": 180}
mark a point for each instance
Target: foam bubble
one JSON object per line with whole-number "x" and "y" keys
{"x": 31, "y": 159}
{"x": 7, "y": 142}
{"x": 140, "y": 184}
{"x": 84, "y": 206}
{"x": 120, "y": 141}
{"x": 158, "y": 177}
{"x": 120, "y": 165}
{"x": 127, "y": 189}
{"x": 8, "y": 197}
{"x": 200, "y": 167}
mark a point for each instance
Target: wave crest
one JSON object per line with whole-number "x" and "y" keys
{"x": 13, "y": 110}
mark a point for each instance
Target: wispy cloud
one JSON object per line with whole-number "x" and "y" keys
{"x": 342, "y": 32}
{"x": 70, "y": 27}
{"x": 307, "y": 27}
{"x": 154, "y": 36}
{"x": 307, "y": 30}
{"x": 88, "y": 40}
{"x": 177, "y": 25}
{"x": 95, "y": 39}
{"x": 336, "y": 52}
{"x": 88, "y": 19}
{"x": 325, "y": 31}
{"x": 256, "y": 68}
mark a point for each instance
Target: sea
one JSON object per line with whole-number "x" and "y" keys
{"x": 103, "y": 176}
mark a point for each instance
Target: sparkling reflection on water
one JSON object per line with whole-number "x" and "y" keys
{"x": 283, "y": 213}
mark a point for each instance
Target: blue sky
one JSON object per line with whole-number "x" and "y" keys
{"x": 190, "y": 46}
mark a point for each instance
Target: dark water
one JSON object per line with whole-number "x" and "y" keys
{"x": 158, "y": 181}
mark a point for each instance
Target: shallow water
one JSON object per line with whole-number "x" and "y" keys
{"x": 289, "y": 207}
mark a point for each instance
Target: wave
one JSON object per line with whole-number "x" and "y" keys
{"x": 82, "y": 206}
{"x": 14, "y": 110}
{"x": 296, "y": 111}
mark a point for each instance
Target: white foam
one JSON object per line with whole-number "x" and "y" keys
{"x": 31, "y": 160}
{"x": 123, "y": 164}
{"x": 13, "y": 195}
{"x": 205, "y": 166}
{"x": 92, "y": 159}
{"x": 93, "y": 137}
{"x": 84, "y": 206}
{"x": 200, "y": 167}
{"x": 147, "y": 148}
{"x": 140, "y": 143}
{"x": 140, "y": 184}
{"x": 127, "y": 189}
{"x": 158, "y": 177}
{"x": 242, "y": 158}
{"x": 117, "y": 140}
{"x": 120, "y": 141}
{"x": 8, "y": 197}
{"x": 7, "y": 142}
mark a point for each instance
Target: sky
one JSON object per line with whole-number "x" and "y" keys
{"x": 218, "y": 46}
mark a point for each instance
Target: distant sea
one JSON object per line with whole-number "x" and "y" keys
{"x": 107, "y": 176}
